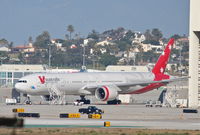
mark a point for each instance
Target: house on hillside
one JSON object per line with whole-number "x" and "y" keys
{"x": 146, "y": 47}
{"x": 24, "y": 48}
{"x": 4, "y": 49}
{"x": 181, "y": 42}
{"x": 139, "y": 38}
{"x": 157, "y": 48}
{"x": 104, "y": 43}
{"x": 58, "y": 44}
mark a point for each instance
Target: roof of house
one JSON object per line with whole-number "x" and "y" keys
{"x": 22, "y": 47}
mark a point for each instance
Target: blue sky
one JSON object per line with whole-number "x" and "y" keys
{"x": 23, "y": 18}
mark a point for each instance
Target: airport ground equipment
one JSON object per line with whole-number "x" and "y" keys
{"x": 18, "y": 110}
{"x": 56, "y": 96}
{"x": 114, "y": 102}
{"x": 158, "y": 104}
{"x": 170, "y": 98}
{"x": 107, "y": 124}
{"x": 35, "y": 115}
{"x": 149, "y": 104}
{"x": 11, "y": 122}
{"x": 94, "y": 116}
{"x": 90, "y": 110}
{"x": 15, "y": 95}
{"x": 11, "y": 101}
{"x": 70, "y": 115}
{"x": 190, "y": 111}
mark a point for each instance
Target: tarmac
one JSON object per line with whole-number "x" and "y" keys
{"x": 134, "y": 115}
{"x": 121, "y": 116}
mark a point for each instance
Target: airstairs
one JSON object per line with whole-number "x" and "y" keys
{"x": 170, "y": 96}
{"x": 56, "y": 96}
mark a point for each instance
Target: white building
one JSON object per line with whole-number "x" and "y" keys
{"x": 4, "y": 49}
{"x": 194, "y": 55}
{"x": 21, "y": 67}
{"x": 25, "y": 48}
{"x": 146, "y": 47}
{"x": 157, "y": 48}
{"x": 139, "y": 38}
{"x": 104, "y": 43}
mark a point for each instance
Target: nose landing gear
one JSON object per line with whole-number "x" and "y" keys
{"x": 27, "y": 100}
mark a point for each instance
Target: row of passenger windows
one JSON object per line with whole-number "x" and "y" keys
{"x": 22, "y": 81}
{"x": 93, "y": 81}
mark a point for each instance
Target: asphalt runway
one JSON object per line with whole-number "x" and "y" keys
{"x": 122, "y": 116}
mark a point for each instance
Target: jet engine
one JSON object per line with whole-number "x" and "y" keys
{"x": 106, "y": 93}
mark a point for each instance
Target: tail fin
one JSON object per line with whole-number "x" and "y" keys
{"x": 160, "y": 66}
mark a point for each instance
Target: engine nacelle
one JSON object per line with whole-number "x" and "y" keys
{"x": 106, "y": 93}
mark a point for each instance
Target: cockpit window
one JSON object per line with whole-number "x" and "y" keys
{"x": 22, "y": 81}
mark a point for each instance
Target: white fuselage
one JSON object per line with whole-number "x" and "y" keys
{"x": 73, "y": 83}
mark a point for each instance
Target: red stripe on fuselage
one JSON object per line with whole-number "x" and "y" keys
{"x": 153, "y": 85}
{"x": 107, "y": 93}
{"x": 147, "y": 88}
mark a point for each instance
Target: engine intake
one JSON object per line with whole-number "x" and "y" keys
{"x": 106, "y": 93}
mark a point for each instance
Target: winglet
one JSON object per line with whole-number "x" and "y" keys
{"x": 160, "y": 66}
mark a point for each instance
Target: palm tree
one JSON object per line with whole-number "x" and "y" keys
{"x": 70, "y": 28}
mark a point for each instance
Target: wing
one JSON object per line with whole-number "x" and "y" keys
{"x": 90, "y": 89}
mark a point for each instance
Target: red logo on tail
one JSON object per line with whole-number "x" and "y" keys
{"x": 42, "y": 79}
{"x": 160, "y": 66}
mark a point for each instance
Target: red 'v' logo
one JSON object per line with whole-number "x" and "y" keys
{"x": 42, "y": 79}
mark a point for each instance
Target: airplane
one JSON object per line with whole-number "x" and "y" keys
{"x": 106, "y": 86}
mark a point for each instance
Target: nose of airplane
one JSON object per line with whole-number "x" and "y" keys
{"x": 19, "y": 87}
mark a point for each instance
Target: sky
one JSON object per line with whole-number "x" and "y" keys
{"x": 21, "y": 19}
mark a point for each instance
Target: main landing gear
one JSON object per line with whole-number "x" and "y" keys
{"x": 114, "y": 102}
{"x": 27, "y": 100}
{"x": 83, "y": 99}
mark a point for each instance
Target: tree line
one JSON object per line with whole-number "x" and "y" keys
{"x": 121, "y": 39}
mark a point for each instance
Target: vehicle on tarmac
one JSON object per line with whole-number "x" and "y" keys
{"x": 158, "y": 104}
{"x": 149, "y": 103}
{"x": 91, "y": 110}
{"x": 11, "y": 101}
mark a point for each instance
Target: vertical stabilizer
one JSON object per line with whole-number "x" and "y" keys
{"x": 160, "y": 66}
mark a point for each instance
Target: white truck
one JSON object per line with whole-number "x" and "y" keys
{"x": 11, "y": 101}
